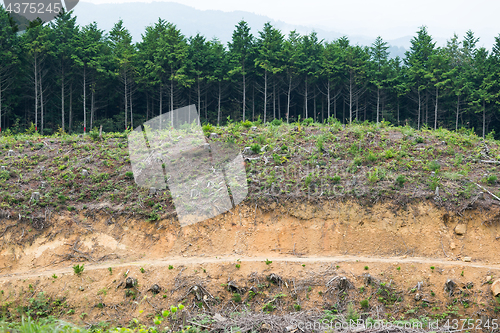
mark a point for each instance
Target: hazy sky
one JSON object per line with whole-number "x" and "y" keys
{"x": 389, "y": 18}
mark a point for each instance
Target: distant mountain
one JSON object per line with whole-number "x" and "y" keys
{"x": 210, "y": 23}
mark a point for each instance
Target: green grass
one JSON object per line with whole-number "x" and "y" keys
{"x": 52, "y": 325}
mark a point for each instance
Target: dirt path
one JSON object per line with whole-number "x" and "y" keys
{"x": 176, "y": 261}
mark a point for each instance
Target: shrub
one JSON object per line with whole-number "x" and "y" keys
{"x": 255, "y": 147}
{"x": 207, "y": 129}
{"x": 4, "y": 174}
{"x": 320, "y": 144}
{"x": 419, "y": 139}
{"x": 371, "y": 157}
{"x": 94, "y": 134}
{"x": 247, "y": 124}
{"x": 268, "y": 307}
{"x": 352, "y": 314}
{"x": 236, "y": 297}
{"x": 433, "y": 183}
{"x": 276, "y": 122}
{"x": 261, "y": 139}
{"x": 307, "y": 121}
{"x": 491, "y": 179}
{"x": 401, "y": 180}
{"x": 364, "y": 303}
{"x": 129, "y": 174}
{"x": 372, "y": 176}
{"x": 434, "y": 166}
{"x": 77, "y": 269}
{"x": 389, "y": 154}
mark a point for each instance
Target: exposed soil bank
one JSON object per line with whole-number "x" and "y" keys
{"x": 309, "y": 244}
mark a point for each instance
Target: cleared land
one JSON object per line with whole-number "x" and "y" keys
{"x": 339, "y": 223}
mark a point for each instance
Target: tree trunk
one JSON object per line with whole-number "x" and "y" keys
{"x": 274, "y": 100}
{"x": 419, "y": 110}
{"x": 328, "y": 100}
{"x": 322, "y": 110}
{"x": 92, "y": 105}
{"x": 36, "y": 94}
{"x": 279, "y": 105}
{"x": 41, "y": 104}
{"x": 343, "y": 110}
{"x": 131, "y": 111}
{"x": 426, "y": 108}
{"x": 398, "y": 108}
{"x": 265, "y": 95}
{"x": 70, "y": 124}
{"x": 305, "y": 100}
{"x": 199, "y": 98}
{"x": 161, "y": 102}
{"x": 458, "y": 111}
{"x": 218, "y": 104}
{"x": 172, "y": 102}
{"x": 84, "y": 101}
{"x": 1, "y": 105}
{"x": 244, "y": 92}
{"x": 253, "y": 102}
{"x": 288, "y": 100}
{"x": 378, "y": 103}
{"x": 147, "y": 106}
{"x": 436, "y": 109}
{"x": 484, "y": 119}
{"x": 350, "y": 99}
{"x": 125, "y": 97}
{"x": 314, "y": 106}
{"x": 62, "y": 98}
{"x": 357, "y": 106}
{"x": 335, "y": 108}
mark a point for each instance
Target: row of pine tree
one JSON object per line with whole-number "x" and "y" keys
{"x": 60, "y": 76}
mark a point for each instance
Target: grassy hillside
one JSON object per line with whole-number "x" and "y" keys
{"x": 285, "y": 162}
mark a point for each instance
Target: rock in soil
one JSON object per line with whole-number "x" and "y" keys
{"x": 460, "y": 229}
{"x": 495, "y": 288}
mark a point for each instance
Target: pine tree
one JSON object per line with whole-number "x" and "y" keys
{"x": 269, "y": 58}
{"x": 242, "y": 53}
{"x": 9, "y": 59}
{"x": 379, "y": 56}
{"x": 64, "y": 31}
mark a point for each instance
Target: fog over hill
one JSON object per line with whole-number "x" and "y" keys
{"x": 210, "y": 23}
